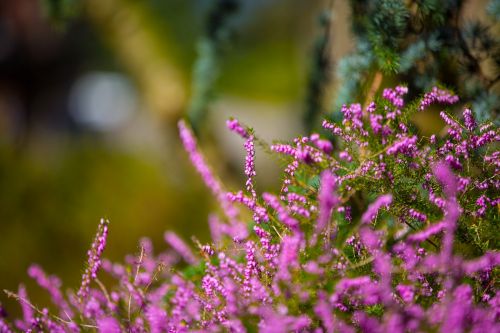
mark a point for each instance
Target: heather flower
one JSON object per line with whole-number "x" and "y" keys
{"x": 4, "y": 327}
{"x": 371, "y": 212}
{"x": 28, "y": 313}
{"x": 324, "y": 312}
{"x": 94, "y": 258}
{"x": 201, "y": 166}
{"x": 395, "y": 96}
{"x": 376, "y": 123}
{"x": 405, "y": 145}
{"x": 288, "y": 257}
{"x": 427, "y": 233}
{"x": 406, "y": 293}
{"x": 327, "y": 200}
{"x": 180, "y": 247}
{"x": 283, "y": 213}
{"x": 52, "y": 284}
{"x": 469, "y": 121}
{"x": 324, "y": 145}
{"x": 234, "y": 125}
{"x": 250, "y": 165}
{"x": 344, "y": 155}
{"x": 259, "y": 213}
{"x": 437, "y": 95}
{"x": 108, "y": 325}
{"x": 419, "y": 216}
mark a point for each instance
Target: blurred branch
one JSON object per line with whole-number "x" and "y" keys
{"x": 125, "y": 27}
{"x": 207, "y": 65}
{"x": 320, "y": 71}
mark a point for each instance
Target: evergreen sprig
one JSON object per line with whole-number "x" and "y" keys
{"x": 423, "y": 43}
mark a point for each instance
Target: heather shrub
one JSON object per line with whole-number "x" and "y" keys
{"x": 421, "y": 256}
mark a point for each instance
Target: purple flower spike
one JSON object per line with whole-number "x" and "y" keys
{"x": 4, "y": 327}
{"x": 52, "y": 284}
{"x": 446, "y": 178}
{"x": 437, "y": 95}
{"x": 250, "y": 165}
{"x": 469, "y": 121}
{"x": 108, "y": 325}
{"x": 157, "y": 318}
{"x": 201, "y": 166}
{"x": 327, "y": 200}
{"x": 234, "y": 125}
{"x": 283, "y": 213}
{"x": 406, "y": 146}
{"x": 94, "y": 259}
{"x": 180, "y": 247}
{"x": 371, "y": 212}
{"x": 395, "y": 96}
{"x": 28, "y": 312}
{"x": 288, "y": 257}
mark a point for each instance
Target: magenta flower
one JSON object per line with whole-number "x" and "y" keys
{"x": 94, "y": 258}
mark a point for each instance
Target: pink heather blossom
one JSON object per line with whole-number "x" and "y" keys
{"x": 469, "y": 121}
{"x": 395, "y": 96}
{"x": 405, "y": 292}
{"x": 428, "y": 232}
{"x": 288, "y": 257}
{"x": 4, "y": 327}
{"x": 487, "y": 261}
{"x": 108, "y": 325}
{"x": 28, "y": 312}
{"x": 94, "y": 258}
{"x": 259, "y": 213}
{"x": 371, "y": 108}
{"x": 250, "y": 165}
{"x": 201, "y": 166}
{"x": 283, "y": 214}
{"x": 344, "y": 155}
{"x": 324, "y": 311}
{"x": 376, "y": 123}
{"x": 421, "y": 217}
{"x": 52, "y": 284}
{"x": 327, "y": 200}
{"x": 405, "y": 145}
{"x": 437, "y": 95}
{"x": 234, "y": 125}
{"x": 321, "y": 144}
{"x": 372, "y": 211}
{"x": 251, "y": 268}
{"x": 180, "y": 247}
{"x": 284, "y": 149}
{"x": 324, "y": 145}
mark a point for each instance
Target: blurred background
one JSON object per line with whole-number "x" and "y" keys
{"x": 90, "y": 95}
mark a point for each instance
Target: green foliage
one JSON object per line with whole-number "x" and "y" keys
{"x": 494, "y": 9}
{"x": 423, "y": 43}
{"x": 60, "y": 11}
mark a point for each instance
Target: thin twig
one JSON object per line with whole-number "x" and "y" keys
{"x": 103, "y": 288}
{"x": 377, "y": 81}
{"x": 135, "y": 279}
{"x": 25, "y": 301}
